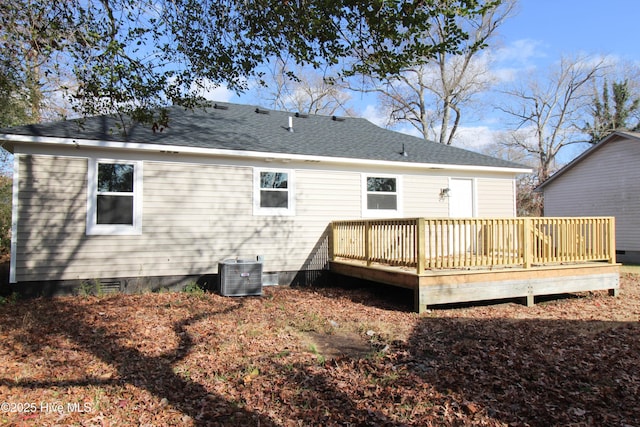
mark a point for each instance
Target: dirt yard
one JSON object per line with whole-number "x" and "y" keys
{"x": 321, "y": 357}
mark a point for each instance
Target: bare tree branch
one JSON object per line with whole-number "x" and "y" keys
{"x": 432, "y": 96}
{"x": 303, "y": 90}
{"x": 547, "y": 112}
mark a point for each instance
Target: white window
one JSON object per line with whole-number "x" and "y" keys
{"x": 273, "y": 192}
{"x": 381, "y": 196}
{"x": 114, "y": 197}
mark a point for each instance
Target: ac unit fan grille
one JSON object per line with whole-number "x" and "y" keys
{"x": 240, "y": 277}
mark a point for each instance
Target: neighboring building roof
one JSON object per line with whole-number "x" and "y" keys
{"x": 224, "y": 126}
{"x": 587, "y": 153}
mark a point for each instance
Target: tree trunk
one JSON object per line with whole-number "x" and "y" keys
{"x": 446, "y": 114}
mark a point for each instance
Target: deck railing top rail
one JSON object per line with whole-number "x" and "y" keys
{"x": 450, "y": 243}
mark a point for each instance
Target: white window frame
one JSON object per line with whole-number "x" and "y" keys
{"x": 258, "y": 210}
{"x": 382, "y": 213}
{"x": 93, "y": 228}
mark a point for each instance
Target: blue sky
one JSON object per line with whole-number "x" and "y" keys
{"x": 558, "y": 27}
{"x": 535, "y": 38}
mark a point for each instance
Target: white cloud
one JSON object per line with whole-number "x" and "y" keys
{"x": 506, "y": 74}
{"x": 375, "y": 115}
{"x": 475, "y": 138}
{"x": 218, "y": 93}
{"x": 214, "y": 92}
{"x": 407, "y": 129}
{"x": 521, "y": 52}
{"x": 517, "y": 57}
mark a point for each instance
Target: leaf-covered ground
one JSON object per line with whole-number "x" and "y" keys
{"x": 321, "y": 357}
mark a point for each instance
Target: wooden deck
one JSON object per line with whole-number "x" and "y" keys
{"x": 460, "y": 260}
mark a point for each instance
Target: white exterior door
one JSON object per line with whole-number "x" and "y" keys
{"x": 461, "y": 198}
{"x": 460, "y": 206}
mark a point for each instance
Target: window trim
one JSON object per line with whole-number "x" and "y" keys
{"x": 95, "y": 229}
{"x": 291, "y": 190}
{"x": 382, "y": 213}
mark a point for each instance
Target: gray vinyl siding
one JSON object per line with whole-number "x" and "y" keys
{"x": 193, "y": 217}
{"x": 196, "y": 214}
{"x": 322, "y": 194}
{"x": 52, "y": 205}
{"x": 189, "y": 213}
{"x": 605, "y": 183}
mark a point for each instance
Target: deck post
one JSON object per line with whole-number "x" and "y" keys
{"x": 530, "y": 297}
{"x": 332, "y": 241}
{"x": 612, "y": 240}
{"x": 367, "y": 242}
{"x": 421, "y": 246}
{"x": 419, "y": 299}
{"x": 527, "y": 248}
{"x": 612, "y": 250}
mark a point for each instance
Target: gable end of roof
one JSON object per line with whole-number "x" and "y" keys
{"x": 614, "y": 136}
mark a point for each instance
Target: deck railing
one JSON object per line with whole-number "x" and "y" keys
{"x": 451, "y": 243}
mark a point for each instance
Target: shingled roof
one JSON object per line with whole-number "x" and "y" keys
{"x": 248, "y": 128}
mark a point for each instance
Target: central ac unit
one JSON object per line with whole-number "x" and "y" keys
{"x": 240, "y": 277}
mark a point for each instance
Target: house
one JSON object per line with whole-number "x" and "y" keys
{"x": 603, "y": 180}
{"x": 161, "y": 207}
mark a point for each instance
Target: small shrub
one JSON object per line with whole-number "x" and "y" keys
{"x": 193, "y": 288}
{"x": 6, "y": 185}
{"x": 91, "y": 287}
{"x": 320, "y": 359}
{"x": 85, "y": 289}
{"x": 11, "y": 299}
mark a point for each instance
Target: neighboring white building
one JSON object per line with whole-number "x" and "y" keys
{"x": 602, "y": 181}
{"x": 154, "y": 209}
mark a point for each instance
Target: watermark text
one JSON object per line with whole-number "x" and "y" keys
{"x": 45, "y": 406}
